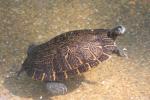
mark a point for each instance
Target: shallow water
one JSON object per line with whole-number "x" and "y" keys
{"x": 24, "y": 22}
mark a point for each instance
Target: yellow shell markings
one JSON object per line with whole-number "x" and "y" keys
{"x": 65, "y": 74}
{"x": 52, "y": 70}
{"x": 95, "y": 58}
{"x": 43, "y": 76}
{"x": 69, "y": 50}
{"x": 107, "y": 55}
{"x": 33, "y": 75}
{"x": 89, "y": 67}
{"x": 54, "y": 75}
{"x": 99, "y": 47}
{"x": 105, "y": 38}
{"x": 52, "y": 63}
{"x": 78, "y": 71}
{"x": 91, "y": 53}
{"x": 66, "y": 56}
{"x": 79, "y": 60}
{"x": 106, "y": 46}
{"x": 109, "y": 45}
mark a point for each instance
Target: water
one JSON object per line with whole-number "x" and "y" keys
{"x": 23, "y": 22}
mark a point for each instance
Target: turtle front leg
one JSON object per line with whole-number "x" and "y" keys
{"x": 56, "y": 88}
{"x": 120, "y": 52}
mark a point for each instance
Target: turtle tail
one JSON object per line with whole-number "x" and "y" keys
{"x": 23, "y": 68}
{"x": 20, "y": 71}
{"x": 25, "y": 65}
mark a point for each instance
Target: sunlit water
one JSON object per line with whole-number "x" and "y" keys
{"x": 24, "y": 22}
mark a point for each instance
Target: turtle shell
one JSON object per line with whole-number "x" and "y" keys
{"x": 68, "y": 54}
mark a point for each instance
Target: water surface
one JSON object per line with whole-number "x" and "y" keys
{"x": 24, "y": 22}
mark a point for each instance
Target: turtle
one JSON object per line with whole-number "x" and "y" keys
{"x": 69, "y": 54}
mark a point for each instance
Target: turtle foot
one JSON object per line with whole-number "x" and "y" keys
{"x": 56, "y": 88}
{"x": 121, "y": 52}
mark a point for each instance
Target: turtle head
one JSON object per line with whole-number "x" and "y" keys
{"x": 117, "y": 31}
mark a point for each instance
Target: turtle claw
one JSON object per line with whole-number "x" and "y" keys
{"x": 121, "y": 52}
{"x": 56, "y": 88}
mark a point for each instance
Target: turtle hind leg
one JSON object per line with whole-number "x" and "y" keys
{"x": 56, "y": 88}
{"x": 120, "y": 52}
